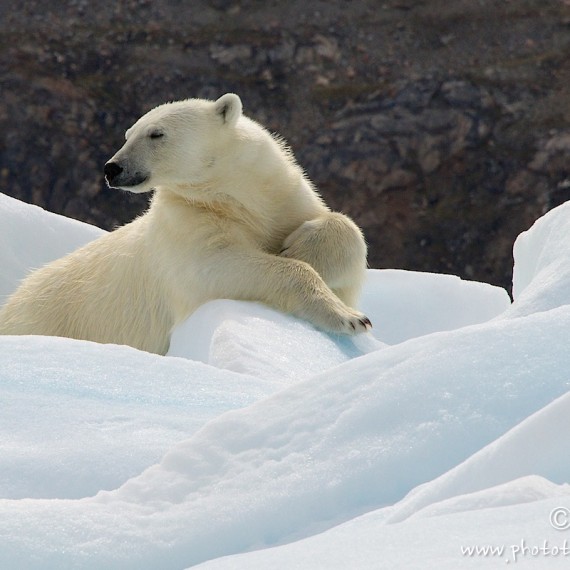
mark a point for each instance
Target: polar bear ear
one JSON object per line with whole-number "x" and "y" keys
{"x": 229, "y": 108}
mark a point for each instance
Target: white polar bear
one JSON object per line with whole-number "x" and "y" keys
{"x": 232, "y": 216}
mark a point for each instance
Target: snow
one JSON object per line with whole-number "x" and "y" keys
{"x": 261, "y": 442}
{"x": 70, "y": 428}
{"x": 254, "y": 339}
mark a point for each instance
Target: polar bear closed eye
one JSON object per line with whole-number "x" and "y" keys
{"x": 232, "y": 216}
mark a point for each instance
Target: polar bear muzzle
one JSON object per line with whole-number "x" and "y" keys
{"x": 119, "y": 177}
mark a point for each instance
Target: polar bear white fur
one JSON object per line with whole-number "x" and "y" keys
{"x": 232, "y": 216}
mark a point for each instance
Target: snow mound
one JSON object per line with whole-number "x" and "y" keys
{"x": 493, "y": 536}
{"x": 527, "y": 449}
{"x": 541, "y": 277}
{"x": 254, "y": 339}
{"x": 409, "y": 304}
{"x": 77, "y": 417}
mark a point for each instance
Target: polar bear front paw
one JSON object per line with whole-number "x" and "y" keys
{"x": 357, "y": 323}
{"x": 349, "y": 322}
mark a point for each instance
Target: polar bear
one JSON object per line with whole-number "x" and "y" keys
{"x": 232, "y": 216}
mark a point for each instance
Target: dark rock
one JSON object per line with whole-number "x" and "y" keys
{"x": 437, "y": 125}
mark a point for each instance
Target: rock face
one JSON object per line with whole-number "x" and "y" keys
{"x": 441, "y": 126}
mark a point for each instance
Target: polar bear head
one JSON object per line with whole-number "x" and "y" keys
{"x": 178, "y": 146}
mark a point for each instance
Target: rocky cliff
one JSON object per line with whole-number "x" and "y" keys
{"x": 441, "y": 126}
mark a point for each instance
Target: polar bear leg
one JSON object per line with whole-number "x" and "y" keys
{"x": 334, "y": 246}
{"x": 289, "y": 285}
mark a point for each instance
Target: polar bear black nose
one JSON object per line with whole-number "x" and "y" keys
{"x": 112, "y": 170}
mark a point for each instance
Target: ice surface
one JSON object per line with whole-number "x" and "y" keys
{"x": 408, "y": 304}
{"x": 520, "y": 535}
{"x": 446, "y": 428}
{"x": 252, "y": 338}
{"x": 255, "y": 339}
{"x": 533, "y": 447}
{"x": 77, "y": 417}
{"x": 541, "y": 279}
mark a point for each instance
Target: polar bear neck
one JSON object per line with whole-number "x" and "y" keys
{"x": 268, "y": 228}
{"x": 266, "y": 179}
